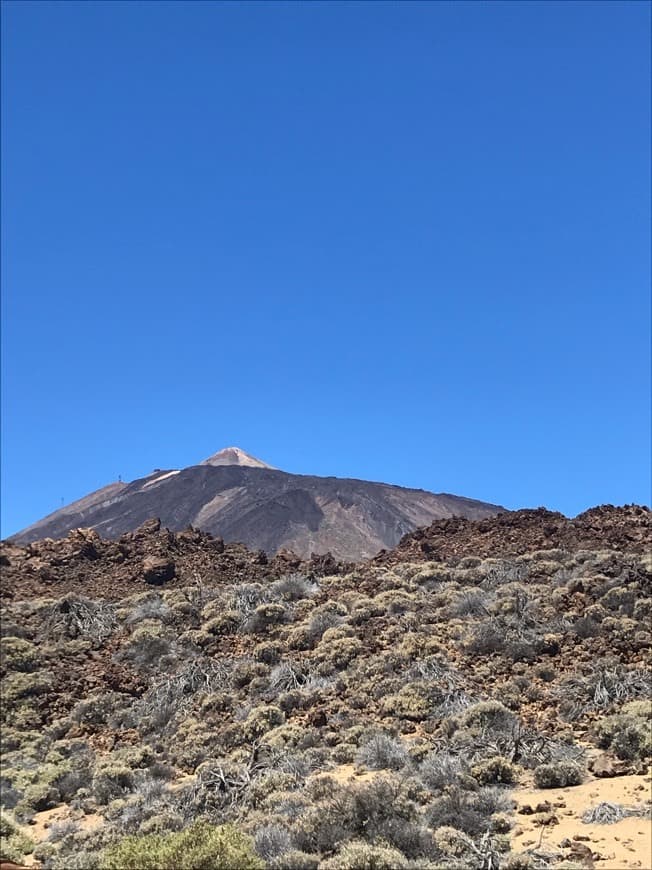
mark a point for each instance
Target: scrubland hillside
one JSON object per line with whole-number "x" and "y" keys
{"x": 169, "y": 701}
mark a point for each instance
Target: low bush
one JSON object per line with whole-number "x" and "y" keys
{"x": 337, "y": 653}
{"x": 293, "y": 587}
{"x": 80, "y": 618}
{"x": 488, "y": 716}
{"x": 465, "y": 811}
{"x": 18, "y": 654}
{"x": 268, "y": 653}
{"x": 438, "y": 772}
{"x": 151, "y": 607}
{"x": 413, "y": 702}
{"x": 377, "y": 810}
{"x": 14, "y": 845}
{"x": 294, "y": 860}
{"x": 148, "y": 648}
{"x": 558, "y": 774}
{"x": 496, "y": 769}
{"x": 224, "y": 623}
{"x": 321, "y": 620}
{"x": 629, "y": 733}
{"x": 94, "y": 710}
{"x": 382, "y": 752}
{"x": 272, "y": 841}
{"x": 19, "y": 686}
{"x": 358, "y": 855}
{"x": 262, "y": 719}
{"x": 265, "y": 616}
{"x": 200, "y": 845}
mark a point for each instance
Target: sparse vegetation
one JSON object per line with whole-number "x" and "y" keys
{"x": 379, "y": 717}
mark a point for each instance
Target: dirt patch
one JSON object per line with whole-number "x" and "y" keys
{"x": 349, "y": 773}
{"x": 620, "y": 846}
{"x": 38, "y": 829}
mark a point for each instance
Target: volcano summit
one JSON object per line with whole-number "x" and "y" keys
{"x": 241, "y": 498}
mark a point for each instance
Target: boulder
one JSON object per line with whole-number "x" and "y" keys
{"x": 606, "y": 766}
{"x": 149, "y": 527}
{"x": 158, "y": 570}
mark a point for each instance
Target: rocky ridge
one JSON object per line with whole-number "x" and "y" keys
{"x": 514, "y": 532}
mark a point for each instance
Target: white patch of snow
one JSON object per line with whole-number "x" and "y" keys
{"x": 159, "y": 479}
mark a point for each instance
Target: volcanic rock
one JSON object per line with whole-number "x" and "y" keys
{"x": 157, "y": 570}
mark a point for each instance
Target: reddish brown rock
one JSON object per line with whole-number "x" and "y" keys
{"x": 157, "y": 570}
{"x": 606, "y": 766}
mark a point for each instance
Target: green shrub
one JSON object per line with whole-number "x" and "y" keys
{"x": 344, "y": 753}
{"x": 95, "y": 710}
{"x": 381, "y": 809}
{"x": 14, "y": 845}
{"x": 620, "y": 599}
{"x": 489, "y": 716}
{"x": 270, "y": 783}
{"x": 382, "y": 752}
{"x": 322, "y": 619}
{"x": 451, "y": 842}
{"x": 261, "y": 720}
{"x": 246, "y": 671}
{"x": 558, "y": 774}
{"x": 272, "y": 841}
{"x": 147, "y": 647}
{"x": 358, "y": 855}
{"x": 485, "y": 639}
{"x": 20, "y": 686}
{"x": 201, "y": 846}
{"x": 17, "y": 654}
{"x": 268, "y": 653}
{"x": 264, "y": 616}
{"x": 226, "y": 622}
{"x": 460, "y": 810}
{"x": 337, "y": 652}
{"x": 114, "y": 775}
{"x": 294, "y": 700}
{"x": 293, "y": 587}
{"x": 37, "y": 785}
{"x": 629, "y": 733}
{"x": 294, "y": 860}
{"x": 495, "y": 770}
{"x": 411, "y": 702}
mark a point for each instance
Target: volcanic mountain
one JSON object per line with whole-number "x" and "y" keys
{"x": 240, "y": 498}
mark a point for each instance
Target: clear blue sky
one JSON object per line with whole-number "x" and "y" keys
{"x": 396, "y": 241}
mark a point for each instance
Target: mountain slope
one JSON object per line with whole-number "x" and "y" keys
{"x": 239, "y": 498}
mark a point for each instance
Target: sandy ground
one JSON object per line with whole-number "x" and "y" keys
{"x": 348, "y": 773}
{"x": 621, "y": 846}
{"x": 39, "y": 828}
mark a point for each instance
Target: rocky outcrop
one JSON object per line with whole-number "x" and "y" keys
{"x": 513, "y": 533}
{"x": 150, "y": 555}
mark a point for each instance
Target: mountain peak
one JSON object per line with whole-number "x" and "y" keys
{"x": 235, "y": 456}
